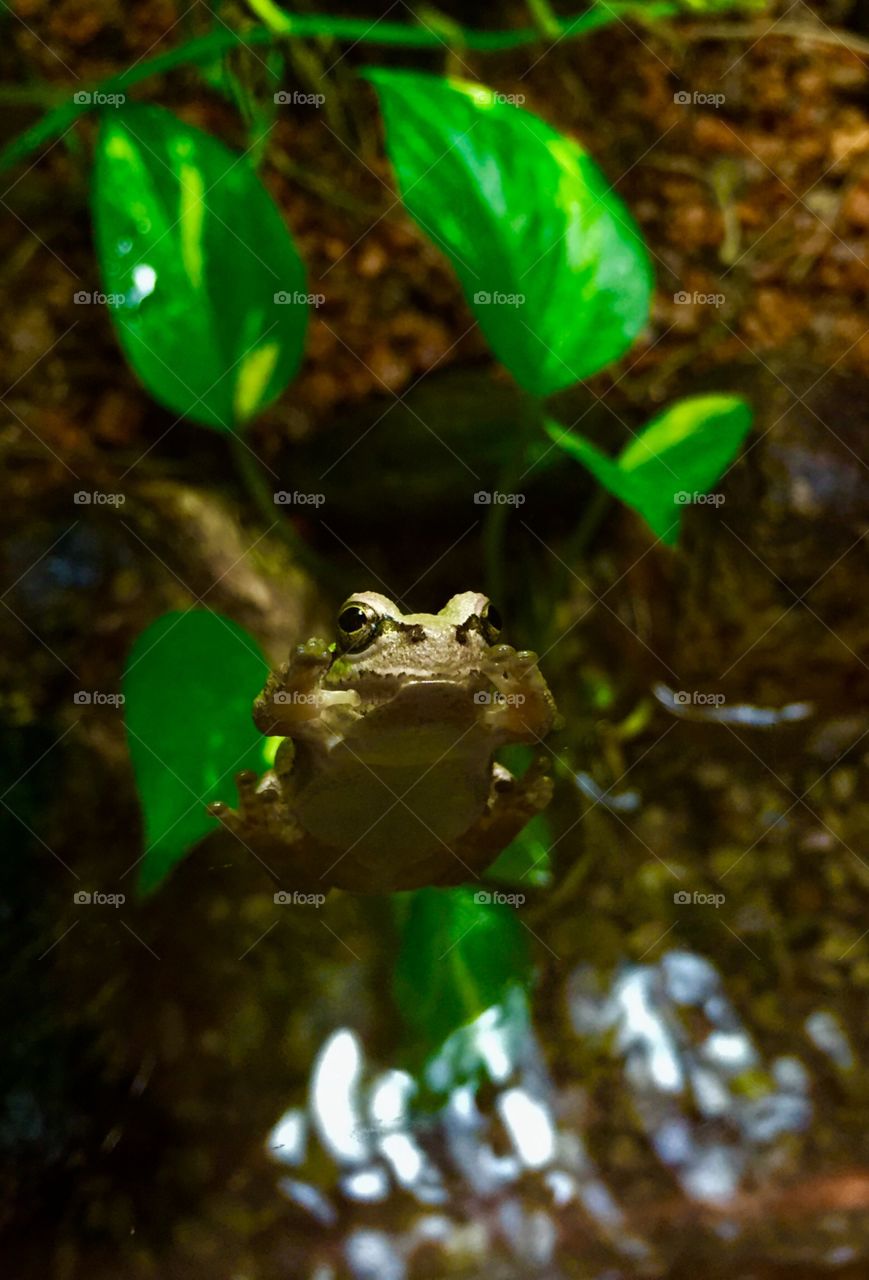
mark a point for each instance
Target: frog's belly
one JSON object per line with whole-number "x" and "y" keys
{"x": 406, "y": 802}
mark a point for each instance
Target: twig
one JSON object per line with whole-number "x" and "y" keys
{"x": 792, "y": 30}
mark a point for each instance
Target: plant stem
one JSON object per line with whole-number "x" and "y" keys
{"x": 545, "y": 19}
{"x": 304, "y": 26}
{"x": 820, "y": 34}
{"x": 595, "y": 511}
{"x": 495, "y": 525}
{"x": 263, "y": 499}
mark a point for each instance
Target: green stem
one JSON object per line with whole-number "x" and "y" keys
{"x": 210, "y": 47}
{"x": 39, "y": 95}
{"x": 263, "y": 499}
{"x": 545, "y": 19}
{"x": 594, "y": 512}
{"x": 495, "y": 525}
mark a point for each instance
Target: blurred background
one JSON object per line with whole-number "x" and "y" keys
{"x": 654, "y": 1065}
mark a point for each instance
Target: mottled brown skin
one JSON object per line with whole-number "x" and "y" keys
{"x": 385, "y": 779}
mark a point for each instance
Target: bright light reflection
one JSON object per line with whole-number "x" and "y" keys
{"x": 335, "y": 1080}
{"x": 144, "y": 281}
{"x": 730, "y": 1049}
{"x": 390, "y": 1097}
{"x": 530, "y": 1127}
{"x": 404, "y": 1156}
{"x": 642, "y": 1028}
{"x": 369, "y": 1185}
{"x": 286, "y": 1142}
{"x": 493, "y": 1044}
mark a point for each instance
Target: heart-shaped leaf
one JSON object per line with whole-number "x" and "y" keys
{"x": 189, "y": 684}
{"x": 548, "y": 256}
{"x": 204, "y": 284}
{"x": 672, "y": 462}
{"x": 461, "y": 952}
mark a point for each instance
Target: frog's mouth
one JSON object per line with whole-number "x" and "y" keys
{"x": 429, "y": 698}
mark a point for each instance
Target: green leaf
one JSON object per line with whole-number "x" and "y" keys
{"x": 491, "y": 1047}
{"x": 458, "y": 956}
{"x": 548, "y": 257}
{"x": 672, "y": 462}
{"x": 193, "y": 254}
{"x": 189, "y": 684}
{"x": 526, "y": 859}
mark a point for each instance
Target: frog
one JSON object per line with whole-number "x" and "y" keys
{"x": 385, "y": 777}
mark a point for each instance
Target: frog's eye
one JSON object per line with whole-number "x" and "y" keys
{"x": 491, "y": 620}
{"x": 357, "y": 624}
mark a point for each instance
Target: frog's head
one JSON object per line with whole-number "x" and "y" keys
{"x": 374, "y": 637}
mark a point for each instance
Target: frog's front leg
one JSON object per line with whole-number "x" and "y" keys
{"x": 265, "y": 824}
{"x": 523, "y": 709}
{"x": 512, "y": 803}
{"x": 294, "y": 702}
{"x": 291, "y": 696}
{"x": 262, "y": 814}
